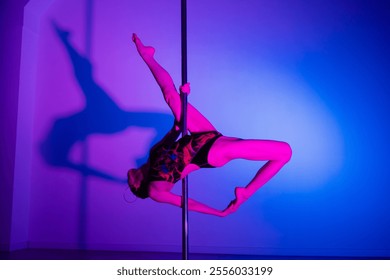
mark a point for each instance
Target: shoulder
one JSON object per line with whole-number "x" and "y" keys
{"x": 160, "y": 192}
{"x": 160, "y": 186}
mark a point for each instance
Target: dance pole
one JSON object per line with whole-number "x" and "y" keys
{"x": 184, "y": 182}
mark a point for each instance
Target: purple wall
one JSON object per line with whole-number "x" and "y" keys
{"x": 89, "y": 110}
{"x": 95, "y": 110}
{"x": 11, "y": 21}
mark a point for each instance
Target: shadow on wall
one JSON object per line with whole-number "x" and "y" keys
{"x": 100, "y": 115}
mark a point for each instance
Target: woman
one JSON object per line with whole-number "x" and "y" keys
{"x": 171, "y": 160}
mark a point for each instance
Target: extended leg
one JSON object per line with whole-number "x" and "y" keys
{"x": 276, "y": 153}
{"x": 196, "y": 122}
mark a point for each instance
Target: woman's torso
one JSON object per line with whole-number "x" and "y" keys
{"x": 172, "y": 160}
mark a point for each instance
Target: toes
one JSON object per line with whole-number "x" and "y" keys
{"x": 134, "y": 37}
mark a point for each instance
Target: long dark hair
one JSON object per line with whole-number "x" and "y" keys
{"x": 142, "y": 191}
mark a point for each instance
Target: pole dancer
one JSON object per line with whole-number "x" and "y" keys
{"x": 171, "y": 160}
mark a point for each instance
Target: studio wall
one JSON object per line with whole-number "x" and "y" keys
{"x": 309, "y": 73}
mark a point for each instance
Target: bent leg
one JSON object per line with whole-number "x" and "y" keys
{"x": 196, "y": 122}
{"x": 276, "y": 153}
{"x": 226, "y": 149}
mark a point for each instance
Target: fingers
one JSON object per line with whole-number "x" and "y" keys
{"x": 233, "y": 206}
{"x": 225, "y": 213}
{"x": 185, "y": 88}
{"x": 230, "y": 209}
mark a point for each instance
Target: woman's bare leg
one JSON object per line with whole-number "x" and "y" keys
{"x": 276, "y": 153}
{"x": 196, "y": 122}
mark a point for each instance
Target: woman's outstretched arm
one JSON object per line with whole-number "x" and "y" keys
{"x": 193, "y": 205}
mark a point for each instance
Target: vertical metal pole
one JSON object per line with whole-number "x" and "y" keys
{"x": 185, "y": 225}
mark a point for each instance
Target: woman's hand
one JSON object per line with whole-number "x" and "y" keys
{"x": 185, "y": 88}
{"x": 224, "y": 213}
{"x": 230, "y": 209}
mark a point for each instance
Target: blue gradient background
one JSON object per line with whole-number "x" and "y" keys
{"x": 312, "y": 73}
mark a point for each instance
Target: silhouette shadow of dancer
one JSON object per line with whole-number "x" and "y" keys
{"x": 101, "y": 115}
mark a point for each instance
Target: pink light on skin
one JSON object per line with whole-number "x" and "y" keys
{"x": 224, "y": 149}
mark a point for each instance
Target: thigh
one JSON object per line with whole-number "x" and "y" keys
{"x": 226, "y": 149}
{"x": 196, "y": 122}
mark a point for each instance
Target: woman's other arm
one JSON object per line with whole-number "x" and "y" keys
{"x": 176, "y": 200}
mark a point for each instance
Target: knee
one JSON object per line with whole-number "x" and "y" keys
{"x": 286, "y": 152}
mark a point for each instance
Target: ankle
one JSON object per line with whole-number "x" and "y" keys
{"x": 242, "y": 193}
{"x": 146, "y": 53}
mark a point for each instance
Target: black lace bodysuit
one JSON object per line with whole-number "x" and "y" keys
{"x": 168, "y": 158}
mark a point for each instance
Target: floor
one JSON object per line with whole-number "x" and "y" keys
{"x": 55, "y": 254}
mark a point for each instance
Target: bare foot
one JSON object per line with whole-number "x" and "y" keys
{"x": 240, "y": 199}
{"x": 144, "y": 51}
